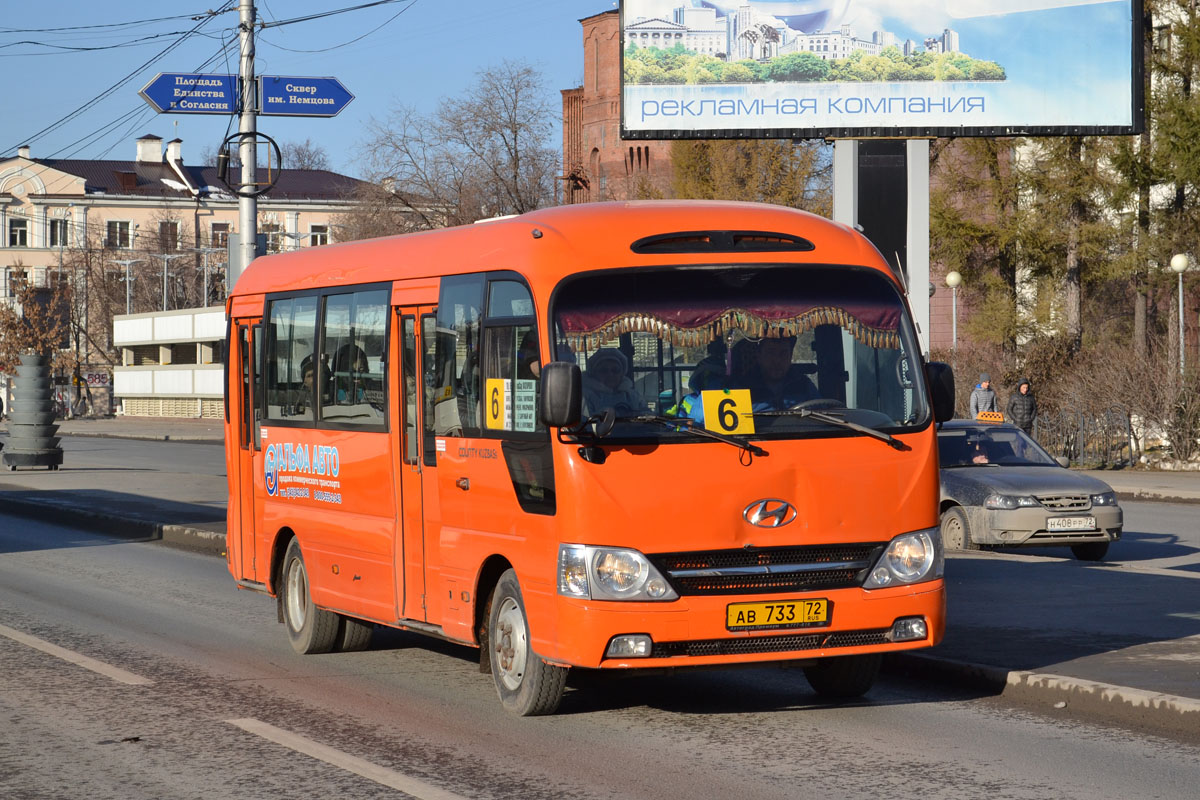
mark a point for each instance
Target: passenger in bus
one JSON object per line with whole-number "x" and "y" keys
{"x": 304, "y": 400}
{"x": 349, "y": 369}
{"x": 607, "y": 385}
{"x": 529, "y": 360}
{"x": 779, "y": 384}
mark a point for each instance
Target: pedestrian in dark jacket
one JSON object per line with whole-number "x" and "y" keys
{"x": 983, "y": 397}
{"x": 1022, "y": 407}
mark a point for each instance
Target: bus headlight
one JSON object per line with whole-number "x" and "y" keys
{"x": 910, "y": 558}
{"x": 609, "y": 573}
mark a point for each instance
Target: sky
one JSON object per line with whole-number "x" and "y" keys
{"x": 414, "y": 53}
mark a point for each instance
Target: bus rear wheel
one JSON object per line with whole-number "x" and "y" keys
{"x": 527, "y": 685}
{"x": 353, "y": 635}
{"x": 844, "y": 677}
{"x": 310, "y": 629}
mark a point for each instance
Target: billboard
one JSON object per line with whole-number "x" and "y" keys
{"x": 870, "y": 68}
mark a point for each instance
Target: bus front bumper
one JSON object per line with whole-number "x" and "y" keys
{"x": 691, "y": 631}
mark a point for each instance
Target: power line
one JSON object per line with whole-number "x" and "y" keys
{"x": 324, "y": 14}
{"x": 198, "y": 15}
{"x": 350, "y": 42}
{"x": 208, "y": 17}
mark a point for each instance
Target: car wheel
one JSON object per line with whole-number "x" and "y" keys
{"x": 956, "y": 533}
{"x": 310, "y": 629}
{"x": 527, "y": 685}
{"x": 844, "y": 677}
{"x": 1091, "y": 551}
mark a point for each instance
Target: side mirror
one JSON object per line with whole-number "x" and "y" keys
{"x": 562, "y": 394}
{"x": 1063, "y": 461}
{"x": 941, "y": 389}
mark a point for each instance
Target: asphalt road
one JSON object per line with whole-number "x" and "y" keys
{"x": 191, "y": 690}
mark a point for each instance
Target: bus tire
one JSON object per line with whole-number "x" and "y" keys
{"x": 310, "y": 629}
{"x": 956, "y": 533}
{"x": 844, "y": 677}
{"x": 353, "y": 635}
{"x": 527, "y": 685}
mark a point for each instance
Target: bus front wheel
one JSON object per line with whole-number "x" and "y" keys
{"x": 844, "y": 677}
{"x": 527, "y": 685}
{"x": 310, "y": 629}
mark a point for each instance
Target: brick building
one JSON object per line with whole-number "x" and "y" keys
{"x": 597, "y": 163}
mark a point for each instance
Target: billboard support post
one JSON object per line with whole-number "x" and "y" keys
{"x": 917, "y": 239}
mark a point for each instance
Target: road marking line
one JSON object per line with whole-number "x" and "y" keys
{"x": 108, "y": 670}
{"x": 372, "y": 772}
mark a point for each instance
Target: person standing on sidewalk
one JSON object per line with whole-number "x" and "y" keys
{"x": 1022, "y": 407}
{"x": 983, "y": 397}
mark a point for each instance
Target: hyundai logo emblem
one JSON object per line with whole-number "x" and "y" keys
{"x": 769, "y": 513}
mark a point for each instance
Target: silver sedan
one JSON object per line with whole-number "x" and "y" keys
{"x": 1001, "y": 489}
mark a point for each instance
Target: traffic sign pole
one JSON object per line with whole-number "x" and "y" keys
{"x": 247, "y": 149}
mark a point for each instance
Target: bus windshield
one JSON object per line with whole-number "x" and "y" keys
{"x": 742, "y": 349}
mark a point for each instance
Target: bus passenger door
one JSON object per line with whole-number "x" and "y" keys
{"x": 246, "y": 427}
{"x": 417, "y": 491}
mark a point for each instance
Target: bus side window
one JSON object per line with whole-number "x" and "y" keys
{"x": 408, "y": 385}
{"x": 291, "y": 336}
{"x": 354, "y": 341}
{"x": 430, "y": 385}
{"x": 456, "y": 383}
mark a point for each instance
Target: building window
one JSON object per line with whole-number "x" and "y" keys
{"x": 318, "y": 235}
{"x": 14, "y": 280}
{"x": 274, "y": 234}
{"x": 117, "y": 235}
{"x": 168, "y": 236}
{"x": 18, "y": 233}
{"x": 219, "y": 234}
{"x": 58, "y": 233}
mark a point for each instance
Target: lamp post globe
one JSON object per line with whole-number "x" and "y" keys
{"x": 953, "y": 279}
{"x": 1179, "y": 262}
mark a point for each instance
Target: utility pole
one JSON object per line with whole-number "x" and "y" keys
{"x": 247, "y": 147}
{"x": 127, "y": 263}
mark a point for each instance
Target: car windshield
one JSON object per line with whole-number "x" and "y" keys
{"x": 984, "y": 446}
{"x": 721, "y": 345}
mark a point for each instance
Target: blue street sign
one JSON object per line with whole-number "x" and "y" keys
{"x": 184, "y": 93}
{"x": 302, "y": 97}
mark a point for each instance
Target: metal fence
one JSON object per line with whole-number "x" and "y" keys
{"x": 1088, "y": 439}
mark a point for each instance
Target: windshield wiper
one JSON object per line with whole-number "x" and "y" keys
{"x": 690, "y": 424}
{"x": 830, "y": 419}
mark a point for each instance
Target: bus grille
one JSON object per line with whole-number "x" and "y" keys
{"x": 769, "y": 644}
{"x": 767, "y": 570}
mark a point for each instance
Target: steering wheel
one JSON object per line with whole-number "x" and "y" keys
{"x": 817, "y": 403}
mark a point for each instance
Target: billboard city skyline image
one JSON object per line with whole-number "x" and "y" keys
{"x": 841, "y": 68}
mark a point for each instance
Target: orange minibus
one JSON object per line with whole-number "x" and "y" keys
{"x": 611, "y": 436}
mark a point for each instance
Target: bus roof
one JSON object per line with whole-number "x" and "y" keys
{"x": 551, "y": 243}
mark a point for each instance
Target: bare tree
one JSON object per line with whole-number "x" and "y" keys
{"x": 479, "y": 155}
{"x": 304, "y": 155}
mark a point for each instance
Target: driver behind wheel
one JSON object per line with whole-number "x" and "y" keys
{"x": 778, "y": 383}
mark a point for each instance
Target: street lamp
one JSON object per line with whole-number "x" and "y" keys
{"x": 1179, "y": 263}
{"x": 166, "y": 257}
{"x": 206, "y": 251}
{"x": 127, "y": 263}
{"x": 953, "y": 279}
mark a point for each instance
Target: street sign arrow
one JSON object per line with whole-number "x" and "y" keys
{"x": 187, "y": 93}
{"x": 302, "y": 97}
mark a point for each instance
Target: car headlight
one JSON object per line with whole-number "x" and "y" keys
{"x": 1007, "y": 501}
{"x": 1104, "y": 499}
{"x": 909, "y": 558}
{"x": 609, "y": 573}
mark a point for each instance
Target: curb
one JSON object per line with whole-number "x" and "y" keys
{"x": 1147, "y": 496}
{"x": 188, "y": 537}
{"x": 1122, "y": 705}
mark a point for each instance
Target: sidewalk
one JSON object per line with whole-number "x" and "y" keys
{"x": 1113, "y": 643}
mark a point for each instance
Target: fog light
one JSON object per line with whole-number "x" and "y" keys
{"x": 909, "y": 629}
{"x": 634, "y": 645}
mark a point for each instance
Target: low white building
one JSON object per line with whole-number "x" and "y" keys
{"x": 172, "y": 363}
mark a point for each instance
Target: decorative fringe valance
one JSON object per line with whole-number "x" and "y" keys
{"x": 745, "y": 321}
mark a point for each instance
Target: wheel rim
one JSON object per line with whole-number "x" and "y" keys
{"x": 297, "y": 594}
{"x": 511, "y": 644}
{"x": 952, "y": 532}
